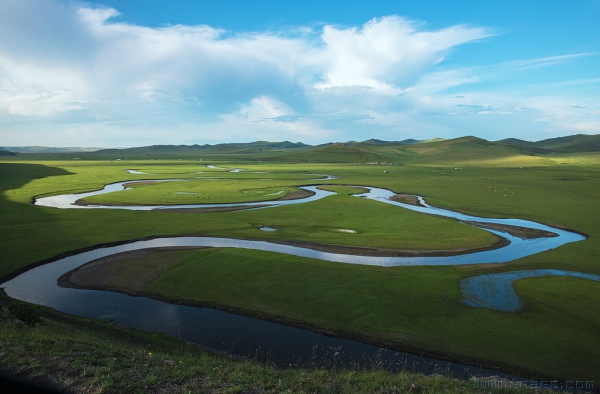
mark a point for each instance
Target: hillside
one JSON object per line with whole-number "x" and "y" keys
{"x": 463, "y": 149}
{"x": 250, "y": 148}
{"x": 4, "y": 152}
{"x": 456, "y": 151}
{"x": 377, "y": 142}
{"x": 48, "y": 149}
{"x": 578, "y": 143}
{"x": 435, "y": 151}
{"x": 334, "y": 153}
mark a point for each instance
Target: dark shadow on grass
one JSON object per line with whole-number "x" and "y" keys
{"x": 24, "y": 228}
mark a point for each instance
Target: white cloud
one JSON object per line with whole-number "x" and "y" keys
{"x": 76, "y": 73}
{"x": 586, "y": 127}
{"x": 388, "y": 53}
{"x": 270, "y": 119}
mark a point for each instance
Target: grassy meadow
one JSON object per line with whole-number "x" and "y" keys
{"x": 555, "y": 335}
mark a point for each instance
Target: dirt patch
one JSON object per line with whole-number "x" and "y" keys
{"x": 381, "y": 252}
{"x": 84, "y": 203}
{"x": 296, "y": 195}
{"x": 209, "y": 210}
{"x": 484, "y": 268}
{"x": 331, "y": 188}
{"x": 100, "y": 273}
{"x": 407, "y": 199}
{"x": 144, "y": 183}
{"x": 516, "y": 231}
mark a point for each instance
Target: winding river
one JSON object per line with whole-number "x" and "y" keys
{"x": 517, "y": 248}
{"x": 248, "y": 336}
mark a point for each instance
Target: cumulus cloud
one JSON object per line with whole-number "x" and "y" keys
{"x": 275, "y": 120}
{"x": 139, "y": 63}
{"x": 587, "y": 127}
{"x": 387, "y": 54}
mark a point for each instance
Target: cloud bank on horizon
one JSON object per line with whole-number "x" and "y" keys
{"x": 73, "y": 74}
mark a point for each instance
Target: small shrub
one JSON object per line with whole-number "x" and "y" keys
{"x": 28, "y": 313}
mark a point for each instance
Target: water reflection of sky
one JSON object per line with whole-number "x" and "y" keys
{"x": 495, "y": 291}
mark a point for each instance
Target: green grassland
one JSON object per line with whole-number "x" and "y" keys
{"x": 376, "y": 225}
{"x": 208, "y": 191}
{"x": 554, "y": 335}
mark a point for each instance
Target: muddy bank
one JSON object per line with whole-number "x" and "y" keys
{"x": 97, "y": 274}
{"x": 515, "y": 231}
{"x": 141, "y": 183}
{"x": 384, "y": 252}
{"x": 209, "y": 210}
{"x": 407, "y": 199}
{"x": 296, "y": 195}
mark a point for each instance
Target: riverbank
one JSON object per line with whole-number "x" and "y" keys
{"x": 140, "y": 274}
{"x": 80, "y": 355}
{"x": 515, "y": 231}
{"x": 387, "y": 252}
{"x": 407, "y": 199}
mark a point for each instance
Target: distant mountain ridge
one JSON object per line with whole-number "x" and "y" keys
{"x": 230, "y": 148}
{"x": 568, "y": 144}
{"x": 47, "y": 149}
{"x": 4, "y": 152}
{"x": 431, "y": 151}
{"x": 374, "y": 141}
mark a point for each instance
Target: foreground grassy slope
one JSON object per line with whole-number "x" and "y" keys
{"x": 90, "y": 356}
{"x": 550, "y": 192}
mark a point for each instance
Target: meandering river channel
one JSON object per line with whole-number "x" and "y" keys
{"x": 248, "y": 336}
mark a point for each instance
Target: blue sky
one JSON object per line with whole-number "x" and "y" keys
{"x": 132, "y": 73}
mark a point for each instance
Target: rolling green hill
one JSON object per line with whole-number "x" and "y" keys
{"x": 335, "y": 153}
{"x": 435, "y": 151}
{"x": 573, "y": 143}
{"x": 578, "y": 143}
{"x": 438, "y": 151}
{"x": 376, "y": 142}
{"x": 49, "y": 149}
{"x": 463, "y": 149}
{"x": 4, "y": 152}
{"x": 161, "y": 151}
